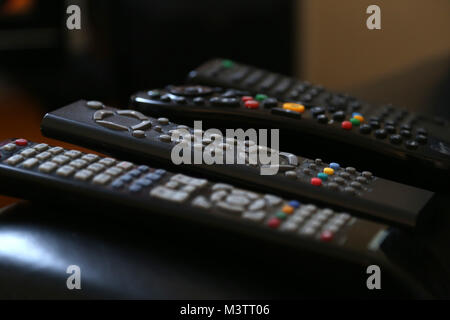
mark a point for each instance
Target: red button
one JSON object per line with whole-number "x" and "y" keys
{"x": 274, "y": 223}
{"x": 316, "y": 182}
{"x": 21, "y": 142}
{"x": 252, "y": 104}
{"x": 326, "y": 236}
{"x": 347, "y": 125}
{"x": 246, "y": 98}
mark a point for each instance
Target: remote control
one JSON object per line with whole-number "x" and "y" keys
{"x": 57, "y": 171}
{"x": 385, "y": 132}
{"x": 136, "y": 136}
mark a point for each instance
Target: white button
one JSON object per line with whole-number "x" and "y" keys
{"x": 61, "y": 160}
{"x": 114, "y": 171}
{"x": 9, "y": 147}
{"x": 14, "y": 160}
{"x": 83, "y": 175}
{"x": 125, "y": 165}
{"x": 107, "y": 161}
{"x": 96, "y": 167}
{"x": 72, "y": 154}
{"x": 65, "y": 171}
{"x": 254, "y": 216}
{"x": 47, "y": 167}
{"x": 272, "y": 200}
{"x": 28, "y": 152}
{"x": 90, "y": 157}
{"x": 171, "y": 184}
{"x": 188, "y": 188}
{"x": 101, "y": 178}
{"x": 43, "y": 156}
{"x": 289, "y": 226}
{"x": 30, "y": 163}
{"x": 201, "y": 202}
{"x": 56, "y": 150}
{"x": 168, "y": 194}
{"x": 41, "y": 147}
{"x": 78, "y": 163}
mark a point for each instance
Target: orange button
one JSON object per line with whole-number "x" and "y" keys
{"x": 294, "y": 107}
{"x": 288, "y": 209}
{"x": 360, "y": 118}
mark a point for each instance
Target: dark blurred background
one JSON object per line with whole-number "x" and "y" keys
{"x": 125, "y": 46}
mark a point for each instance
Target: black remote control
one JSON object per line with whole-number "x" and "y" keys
{"x": 381, "y": 132}
{"x": 56, "y": 171}
{"x": 136, "y": 136}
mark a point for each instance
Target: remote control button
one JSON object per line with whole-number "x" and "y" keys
{"x": 168, "y": 194}
{"x": 107, "y": 161}
{"x": 72, "y": 154}
{"x": 339, "y": 116}
{"x": 199, "y": 100}
{"x": 229, "y": 207}
{"x": 396, "y": 139}
{"x": 287, "y": 209}
{"x": 411, "y": 144}
{"x": 270, "y": 103}
{"x": 30, "y": 163}
{"x": 334, "y": 166}
{"x": 165, "y": 138}
{"x": 221, "y": 186}
{"x": 422, "y": 131}
{"x": 237, "y": 200}
{"x": 144, "y": 125}
{"x": 316, "y": 182}
{"x": 356, "y": 185}
{"x": 47, "y": 167}
{"x": 328, "y": 171}
{"x": 135, "y": 173}
{"x": 102, "y": 114}
{"x": 326, "y": 236}
{"x": 65, "y": 171}
{"x": 321, "y": 118}
{"x": 83, "y": 175}
{"x": 339, "y": 180}
{"x": 367, "y": 174}
{"x": 291, "y": 174}
{"x": 358, "y": 116}
{"x": 218, "y": 195}
{"x": 78, "y": 163}
{"x": 256, "y": 216}
{"x": 365, "y": 129}
{"x": 260, "y": 97}
{"x": 405, "y": 133}
{"x": 43, "y": 156}
{"x": 274, "y": 223}
{"x": 322, "y": 176}
{"x": 143, "y": 168}
{"x": 117, "y": 184}
{"x": 126, "y": 178}
{"x": 420, "y": 138}
{"x": 165, "y": 98}
{"x": 201, "y": 202}
{"x": 257, "y": 205}
{"x": 350, "y": 190}
{"x": 21, "y": 142}
{"x": 286, "y": 113}
{"x": 281, "y": 215}
{"x": 56, "y": 150}
{"x": 307, "y": 231}
{"x": 153, "y": 176}
{"x": 251, "y": 104}
{"x": 138, "y": 134}
{"x": 179, "y": 100}
{"x": 390, "y": 129}
{"x": 28, "y": 153}
{"x": 332, "y": 185}
{"x": 361, "y": 179}
{"x": 114, "y": 171}
{"x": 380, "y": 134}
{"x": 227, "y": 63}
{"x": 60, "y": 160}
{"x": 163, "y": 121}
{"x": 135, "y": 187}
{"x": 345, "y": 175}
{"x": 350, "y": 170}
{"x": 111, "y": 125}
{"x": 346, "y": 125}
{"x": 272, "y": 200}
{"x": 143, "y": 182}
{"x": 96, "y": 167}
{"x": 41, "y": 147}
{"x": 9, "y": 147}
{"x": 94, "y": 104}
{"x": 101, "y": 178}
{"x": 374, "y": 124}
{"x": 295, "y": 204}
{"x": 90, "y": 157}
{"x": 294, "y": 107}
{"x": 317, "y": 110}
{"x": 161, "y": 172}
{"x": 355, "y": 122}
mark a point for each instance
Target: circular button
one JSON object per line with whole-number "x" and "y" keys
{"x": 390, "y": 129}
{"x": 374, "y": 124}
{"x": 294, "y": 204}
{"x": 326, "y": 236}
{"x": 246, "y": 98}
{"x": 380, "y": 134}
{"x": 274, "y": 223}
{"x": 365, "y": 129}
{"x": 396, "y": 139}
{"x": 367, "y": 174}
{"x": 332, "y": 185}
{"x": 328, "y": 171}
{"x": 411, "y": 144}
{"x": 288, "y": 209}
{"x": 316, "y": 182}
{"x": 321, "y": 118}
{"x": 334, "y": 165}
{"x": 94, "y": 104}
{"x": 322, "y": 176}
{"x": 346, "y": 125}
{"x": 420, "y": 138}
{"x": 251, "y": 104}
{"x": 339, "y": 180}
{"x": 406, "y": 127}
{"x": 317, "y": 110}
{"x": 350, "y": 170}
{"x": 405, "y": 133}
{"x": 227, "y": 63}
{"x": 355, "y": 122}
{"x": 21, "y": 142}
{"x": 260, "y": 97}
{"x": 281, "y": 215}
{"x": 339, "y": 116}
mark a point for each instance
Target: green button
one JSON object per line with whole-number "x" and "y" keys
{"x": 281, "y": 215}
{"x": 260, "y": 97}
{"x": 322, "y": 176}
{"x": 355, "y": 121}
{"x": 227, "y": 63}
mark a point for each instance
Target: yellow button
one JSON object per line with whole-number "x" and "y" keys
{"x": 294, "y": 107}
{"x": 328, "y": 171}
{"x": 288, "y": 209}
{"x": 360, "y": 118}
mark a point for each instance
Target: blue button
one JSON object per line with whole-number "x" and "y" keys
{"x": 153, "y": 176}
{"x": 117, "y": 184}
{"x": 135, "y": 188}
{"x": 143, "y": 168}
{"x": 161, "y": 172}
{"x": 135, "y": 173}
{"x": 294, "y": 203}
{"x": 334, "y": 165}
{"x": 356, "y": 114}
{"x": 144, "y": 182}
{"x": 126, "y": 178}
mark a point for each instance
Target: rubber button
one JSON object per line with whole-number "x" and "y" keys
{"x": 322, "y": 176}
{"x": 252, "y": 104}
{"x": 380, "y": 134}
{"x": 334, "y": 166}
{"x": 246, "y": 98}
{"x": 21, "y": 142}
{"x": 288, "y": 209}
{"x": 326, "y": 236}
{"x": 274, "y": 223}
{"x": 359, "y": 117}
{"x": 281, "y": 215}
{"x": 294, "y": 107}
{"x": 321, "y": 118}
{"x": 328, "y": 171}
{"x": 260, "y": 97}
{"x": 396, "y": 139}
{"x": 411, "y": 144}
{"x": 346, "y": 125}
{"x": 365, "y": 129}
{"x": 355, "y": 121}
{"x": 339, "y": 116}
{"x": 227, "y": 63}
{"x": 316, "y": 182}
{"x": 294, "y": 203}
{"x": 420, "y": 138}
